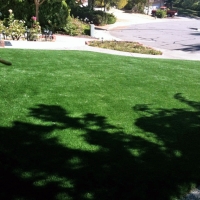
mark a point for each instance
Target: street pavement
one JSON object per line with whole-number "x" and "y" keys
{"x": 104, "y": 33}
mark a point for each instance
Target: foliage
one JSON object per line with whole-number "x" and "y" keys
{"x": 23, "y": 9}
{"x": 169, "y": 3}
{"x": 53, "y": 11}
{"x": 2, "y": 27}
{"x": 196, "y": 6}
{"x": 136, "y": 5}
{"x": 107, "y": 18}
{"x": 75, "y": 27}
{"x": 187, "y": 12}
{"x": 138, "y": 8}
{"x": 129, "y": 5}
{"x": 187, "y": 3}
{"x": 54, "y": 14}
{"x": 161, "y": 13}
{"x": 111, "y": 18}
{"x": 97, "y": 17}
{"x": 35, "y": 29}
{"x": 133, "y": 47}
{"x": 38, "y": 3}
{"x": 191, "y": 4}
{"x": 121, "y": 3}
{"x": 82, "y": 12}
{"x": 101, "y": 18}
{"x": 16, "y": 28}
{"x": 183, "y": 4}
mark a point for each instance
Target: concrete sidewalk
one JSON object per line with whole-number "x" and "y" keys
{"x": 75, "y": 43}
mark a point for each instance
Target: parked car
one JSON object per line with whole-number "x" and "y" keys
{"x": 170, "y": 13}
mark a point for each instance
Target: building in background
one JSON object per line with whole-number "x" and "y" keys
{"x": 157, "y": 3}
{"x": 153, "y": 5}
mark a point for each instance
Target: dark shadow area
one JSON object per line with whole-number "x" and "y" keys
{"x": 35, "y": 165}
{"x": 188, "y": 16}
{"x": 190, "y": 48}
{"x": 196, "y": 34}
{"x": 179, "y": 129}
{"x": 193, "y": 28}
{"x": 8, "y": 43}
{"x": 102, "y": 29}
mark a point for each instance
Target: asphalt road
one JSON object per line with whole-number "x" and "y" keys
{"x": 177, "y": 33}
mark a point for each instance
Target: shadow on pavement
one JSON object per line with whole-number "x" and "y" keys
{"x": 190, "y": 48}
{"x": 8, "y": 43}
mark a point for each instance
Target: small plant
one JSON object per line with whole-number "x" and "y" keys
{"x": 111, "y": 19}
{"x": 2, "y": 27}
{"x": 161, "y": 13}
{"x": 98, "y": 19}
{"x": 35, "y": 29}
{"x": 75, "y": 27}
{"x": 15, "y": 28}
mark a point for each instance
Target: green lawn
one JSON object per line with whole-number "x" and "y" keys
{"x": 89, "y": 126}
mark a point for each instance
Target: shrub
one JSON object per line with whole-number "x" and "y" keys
{"x": 97, "y": 17}
{"x": 196, "y": 6}
{"x": 111, "y": 19}
{"x": 187, "y": 4}
{"x": 129, "y": 5}
{"x": 54, "y": 16}
{"x": 2, "y": 27}
{"x": 82, "y": 12}
{"x": 34, "y": 30}
{"x": 100, "y": 17}
{"x": 15, "y": 28}
{"x": 74, "y": 27}
{"x": 86, "y": 29}
{"x": 121, "y": 4}
{"x": 161, "y": 13}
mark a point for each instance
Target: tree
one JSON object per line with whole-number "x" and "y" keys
{"x": 169, "y": 3}
{"x": 38, "y": 3}
{"x": 121, "y": 3}
{"x": 138, "y": 5}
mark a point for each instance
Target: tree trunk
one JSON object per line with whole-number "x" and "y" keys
{"x": 171, "y": 5}
{"x": 37, "y": 11}
{"x": 38, "y": 3}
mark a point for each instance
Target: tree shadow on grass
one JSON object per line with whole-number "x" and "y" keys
{"x": 157, "y": 161}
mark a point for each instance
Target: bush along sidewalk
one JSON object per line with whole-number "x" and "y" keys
{"x": 13, "y": 29}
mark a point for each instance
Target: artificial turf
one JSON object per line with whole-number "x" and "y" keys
{"x": 84, "y": 125}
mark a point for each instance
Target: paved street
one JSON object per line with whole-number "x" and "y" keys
{"x": 172, "y": 34}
